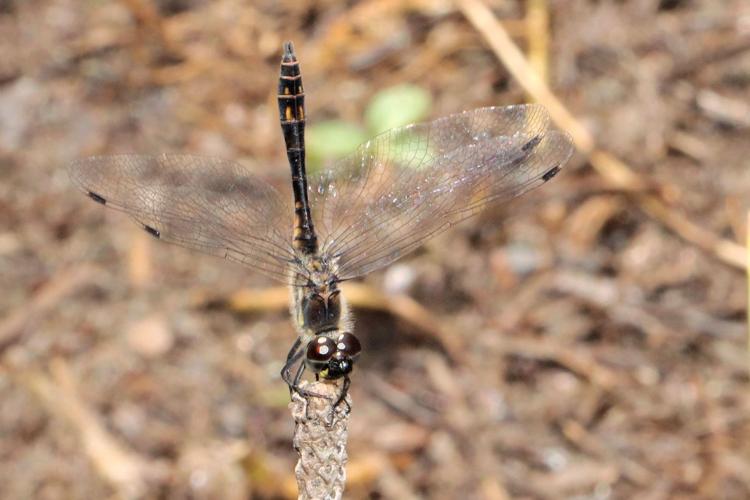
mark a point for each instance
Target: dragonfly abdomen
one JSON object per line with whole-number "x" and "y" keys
{"x": 291, "y": 100}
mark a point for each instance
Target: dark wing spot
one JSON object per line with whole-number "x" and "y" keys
{"x": 152, "y": 231}
{"x": 551, "y": 173}
{"x": 522, "y": 157}
{"x": 531, "y": 144}
{"x": 97, "y": 198}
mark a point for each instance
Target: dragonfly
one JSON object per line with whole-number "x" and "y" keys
{"x": 362, "y": 213}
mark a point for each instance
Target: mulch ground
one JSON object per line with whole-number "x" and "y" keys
{"x": 574, "y": 344}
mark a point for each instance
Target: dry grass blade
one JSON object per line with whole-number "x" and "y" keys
{"x": 537, "y": 25}
{"x": 60, "y": 286}
{"x": 612, "y": 169}
{"x": 122, "y": 469}
{"x": 485, "y": 22}
{"x": 320, "y": 436}
{"x": 140, "y": 267}
{"x": 147, "y": 16}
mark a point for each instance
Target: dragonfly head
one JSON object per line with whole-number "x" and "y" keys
{"x": 333, "y": 358}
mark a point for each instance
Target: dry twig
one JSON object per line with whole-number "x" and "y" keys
{"x": 125, "y": 471}
{"x": 60, "y": 286}
{"x": 611, "y": 168}
{"x": 537, "y": 28}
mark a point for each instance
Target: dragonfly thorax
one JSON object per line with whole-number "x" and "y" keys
{"x": 323, "y": 322}
{"x": 317, "y": 303}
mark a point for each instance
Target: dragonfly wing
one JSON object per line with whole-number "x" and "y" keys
{"x": 411, "y": 183}
{"x": 207, "y": 204}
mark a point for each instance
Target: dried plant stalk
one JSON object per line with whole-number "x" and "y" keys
{"x": 608, "y": 166}
{"x": 320, "y": 436}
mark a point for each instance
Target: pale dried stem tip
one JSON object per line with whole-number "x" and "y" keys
{"x": 320, "y": 440}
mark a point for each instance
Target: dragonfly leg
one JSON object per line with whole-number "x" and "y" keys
{"x": 294, "y": 354}
{"x": 294, "y": 349}
{"x": 342, "y": 395}
{"x": 340, "y": 399}
{"x": 292, "y": 357}
{"x": 298, "y": 375}
{"x": 293, "y": 382}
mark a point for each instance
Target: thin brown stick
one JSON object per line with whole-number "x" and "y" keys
{"x": 537, "y": 28}
{"x": 125, "y": 471}
{"x": 140, "y": 267}
{"x": 55, "y": 290}
{"x": 147, "y": 16}
{"x": 619, "y": 174}
{"x": 320, "y": 435}
{"x": 706, "y": 58}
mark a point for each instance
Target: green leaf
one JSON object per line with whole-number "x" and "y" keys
{"x": 397, "y": 106}
{"x": 331, "y": 140}
{"x": 407, "y": 148}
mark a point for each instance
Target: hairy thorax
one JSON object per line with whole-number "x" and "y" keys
{"x": 318, "y": 306}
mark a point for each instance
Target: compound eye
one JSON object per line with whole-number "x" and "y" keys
{"x": 320, "y": 350}
{"x": 348, "y": 344}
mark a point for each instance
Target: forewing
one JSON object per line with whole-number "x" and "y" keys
{"x": 207, "y": 204}
{"x": 411, "y": 183}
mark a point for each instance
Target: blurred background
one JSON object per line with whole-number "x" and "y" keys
{"x": 587, "y": 341}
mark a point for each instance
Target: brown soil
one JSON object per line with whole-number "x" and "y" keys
{"x": 579, "y": 346}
